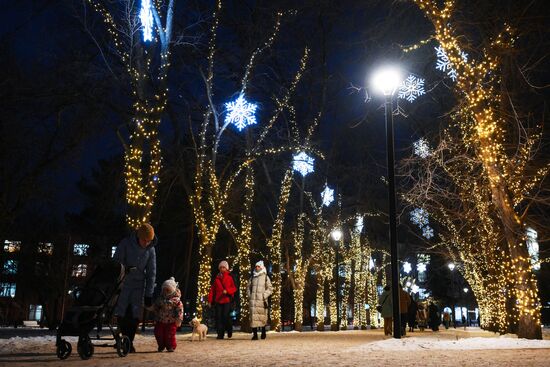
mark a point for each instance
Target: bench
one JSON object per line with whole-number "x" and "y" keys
{"x": 30, "y": 323}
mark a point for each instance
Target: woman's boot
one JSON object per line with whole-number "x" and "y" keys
{"x": 255, "y": 331}
{"x": 263, "y": 332}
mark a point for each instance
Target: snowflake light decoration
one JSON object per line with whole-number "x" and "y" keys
{"x": 327, "y": 195}
{"x": 411, "y": 88}
{"x": 421, "y": 148}
{"x": 421, "y": 267}
{"x": 359, "y": 224}
{"x": 146, "y": 18}
{"x": 444, "y": 64}
{"x": 302, "y": 163}
{"x": 428, "y": 232}
{"x": 407, "y": 267}
{"x": 419, "y": 217}
{"x": 240, "y": 112}
{"x": 415, "y": 288}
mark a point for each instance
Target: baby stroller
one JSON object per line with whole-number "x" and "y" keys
{"x": 93, "y": 304}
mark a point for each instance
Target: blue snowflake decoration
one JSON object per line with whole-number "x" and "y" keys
{"x": 241, "y": 113}
{"x": 327, "y": 195}
{"x": 421, "y": 148}
{"x": 428, "y": 232}
{"x": 146, "y": 18}
{"x": 302, "y": 163}
{"x": 444, "y": 64}
{"x": 419, "y": 217}
{"x": 411, "y": 88}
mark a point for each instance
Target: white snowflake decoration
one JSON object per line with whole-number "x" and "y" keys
{"x": 415, "y": 288}
{"x": 419, "y": 217}
{"x": 240, "y": 112}
{"x": 146, "y": 18}
{"x": 407, "y": 267}
{"x": 411, "y": 88}
{"x": 359, "y": 224}
{"x": 428, "y": 232}
{"x": 302, "y": 163}
{"x": 421, "y": 148}
{"x": 444, "y": 64}
{"x": 421, "y": 267}
{"x": 327, "y": 195}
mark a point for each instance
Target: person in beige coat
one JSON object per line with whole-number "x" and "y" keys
{"x": 259, "y": 289}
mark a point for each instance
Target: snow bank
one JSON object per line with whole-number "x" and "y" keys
{"x": 430, "y": 343}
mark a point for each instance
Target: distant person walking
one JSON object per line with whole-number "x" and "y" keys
{"x": 404, "y": 302}
{"x": 221, "y": 296}
{"x": 411, "y": 314}
{"x": 434, "y": 317}
{"x": 446, "y": 319}
{"x": 259, "y": 289}
{"x": 386, "y": 309}
{"x": 136, "y": 252}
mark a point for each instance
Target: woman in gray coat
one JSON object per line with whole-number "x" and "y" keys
{"x": 385, "y": 301}
{"x": 259, "y": 289}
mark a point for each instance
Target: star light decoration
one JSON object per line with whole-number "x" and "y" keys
{"x": 444, "y": 64}
{"x": 427, "y": 232}
{"x": 146, "y": 18}
{"x": 240, "y": 112}
{"x": 327, "y": 195}
{"x": 419, "y": 217}
{"x": 421, "y": 267}
{"x": 421, "y": 148}
{"x": 411, "y": 88}
{"x": 415, "y": 288}
{"x": 407, "y": 267}
{"x": 302, "y": 163}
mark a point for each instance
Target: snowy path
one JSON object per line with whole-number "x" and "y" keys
{"x": 348, "y": 348}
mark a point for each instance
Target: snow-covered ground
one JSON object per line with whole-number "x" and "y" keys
{"x": 472, "y": 347}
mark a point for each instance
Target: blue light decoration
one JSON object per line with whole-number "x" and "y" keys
{"x": 427, "y": 232}
{"x": 240, "y": 112}
{"x": 327, "y": 195}
{"x": 146, "y": 18}
{"x": 419, "y": 217}
{"x": 302, "y": 163}
{"x": 411, "y": 88}
{"x": 444, "y": 64}
{"x": 421, "y": 148}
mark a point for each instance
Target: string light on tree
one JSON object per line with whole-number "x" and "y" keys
{"x": 411, "y": 88}
{"x": 327, "y": 195}
{"x": 302, "y": 163}
{"x": 421, "y": 148}
{"x": 146, "y": 18}
{"x": 240, "y": 113}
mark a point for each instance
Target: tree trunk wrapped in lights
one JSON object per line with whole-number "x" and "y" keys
{"x": 150, "y": 94}
{"x": 485, "y": 129}
{"x": 299, "y": 273}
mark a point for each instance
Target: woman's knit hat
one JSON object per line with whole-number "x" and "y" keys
{"x": 170, "y": 283}
{"x": 224, "y": 264}
{"x": 260, "y": 264}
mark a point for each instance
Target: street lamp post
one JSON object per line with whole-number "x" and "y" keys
{"x": 386, "y": 81}
{"x": 336, "y": 235}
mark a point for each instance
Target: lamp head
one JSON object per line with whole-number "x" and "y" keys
{"x": 451, "y": 266}
{"x": 386, "y": 80}
{"x": 336, "y": 234}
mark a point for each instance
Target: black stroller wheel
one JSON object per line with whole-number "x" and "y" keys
{"x": 123, "y": 346}
{"x": 64, "y": 349}
{"x": 85, "y": 347}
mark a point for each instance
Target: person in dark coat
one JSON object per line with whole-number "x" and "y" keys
{"x": 434, "y": 317}
{"x": 411, "y": 314}
{"x": 404, "y": 302}
{"x": 221, "y": 295}
{"x": 137, "y": 253}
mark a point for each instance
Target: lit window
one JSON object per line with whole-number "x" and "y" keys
{"x": 80, "y": 249}
{"x": 79, "y": 270}
{"x": 35, "y": 312}
{"x": 7, "y": 290}
{"x": 113, "y": 250}
{"x": 45, "y": 248}
{"x": 12, "y": 246}
{"x": 10, "y": 267}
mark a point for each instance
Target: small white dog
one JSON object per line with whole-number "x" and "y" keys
{"x": 200, "y": 329}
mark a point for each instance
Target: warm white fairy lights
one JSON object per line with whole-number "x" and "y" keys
{"x": 303, "y": 163}
{"x": 240, "y": 113}
{"x": 411, "y": 88}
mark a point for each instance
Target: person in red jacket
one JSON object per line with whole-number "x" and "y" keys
{"x": 221, "y": 295}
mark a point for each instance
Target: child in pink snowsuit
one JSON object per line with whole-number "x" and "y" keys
{"x": 169, "y": 315}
